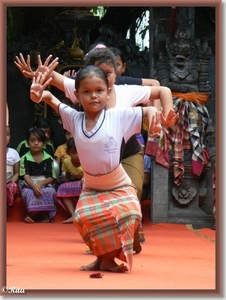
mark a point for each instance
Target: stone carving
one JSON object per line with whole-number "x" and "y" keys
{"x": 185, "y": 193}
{"x": 185, "y": 69}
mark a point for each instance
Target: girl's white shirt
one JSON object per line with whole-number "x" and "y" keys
{"x": 126, "y": 95}
{"x": 12, "y": 157}
{"x": 99, "y": 150}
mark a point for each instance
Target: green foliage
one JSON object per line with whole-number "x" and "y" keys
{"x": 99, "y": 11}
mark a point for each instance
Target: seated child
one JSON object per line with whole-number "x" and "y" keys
{"x": 12, "y": 171}
{"x": 61, "y": 154}
{"x": 68, "y": 192}
{"x": 45, "y": 125}
{"x": 37, "y": 176}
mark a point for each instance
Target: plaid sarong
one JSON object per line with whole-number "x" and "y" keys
{"x": 187, "y": 134}
{"x": 107, "y": 220}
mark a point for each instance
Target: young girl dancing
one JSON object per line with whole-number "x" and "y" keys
{"x": 120, "y": 96}
{"x": 108, "y": 210}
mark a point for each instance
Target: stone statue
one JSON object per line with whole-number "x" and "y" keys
{"x": 185, "y": 69}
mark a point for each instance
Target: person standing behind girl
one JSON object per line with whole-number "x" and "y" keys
{"x": 68, "y": 192}
{"x": 37, "y": 176}
{"x": 108, "y": 211}
{"x": 12, "y": 171}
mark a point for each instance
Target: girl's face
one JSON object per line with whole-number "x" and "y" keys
{"x": 109, "y": 71}
{"x": 120, "y": 65}
{"x": 74, "y": 157}
{"x": 47, "y": 132}
{"x": 67, "y": 135}
{"x": 93, "y": 94}
{"x": 35, "y": 143}
{"x": 7, "y": 136}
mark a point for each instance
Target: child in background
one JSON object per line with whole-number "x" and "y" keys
{"x": 12, "y": 171}
{"x": 37, "y": 177}
{"x": 120, "y": 61}
{"x": 60, "y": 155}
{"x": 45, "y": 125}
{"x": 108, "y": 211}
{"x": 68, "y": 192}
{"x": 61, "y": 151}
{"x": 57, "y": 130}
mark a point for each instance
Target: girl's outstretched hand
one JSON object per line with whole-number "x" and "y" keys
{"x": 70, "y": 73}
{"x": 38, "y": 86}
{"x": 155, "y": 127}
{"x": 26, "y": 70}
{"x": 24, "y": 67}
{"x": 170, "y": 119}
{"x": 47, "y": 68}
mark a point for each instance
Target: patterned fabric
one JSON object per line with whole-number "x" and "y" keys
{"x": 70, "y": 190}
{"x": 12, "y": 192}
{"x": 187, "y": 134}
{"x": 45, "y": 203}
{"x": 108, "y": 220}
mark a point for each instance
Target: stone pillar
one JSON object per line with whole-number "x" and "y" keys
{"x": 159, "y": 193}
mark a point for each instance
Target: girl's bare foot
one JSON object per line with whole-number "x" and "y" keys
{"x": 28, "y": 219}
{"x": 94, "y": 266}
{"x": 111, "y": 266}
{"x": 68, "y": 221}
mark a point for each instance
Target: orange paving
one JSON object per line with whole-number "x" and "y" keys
{"x": 46, "y": 257}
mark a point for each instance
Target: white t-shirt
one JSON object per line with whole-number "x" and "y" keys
{"x": 126, "y": 95}
{"x": 100, "y": 149}
{"x": 12, "y": 157}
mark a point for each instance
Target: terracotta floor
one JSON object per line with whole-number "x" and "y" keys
{"x": 45, "y": 259}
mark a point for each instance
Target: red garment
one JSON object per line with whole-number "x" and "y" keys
{"x": 12, "y": 192}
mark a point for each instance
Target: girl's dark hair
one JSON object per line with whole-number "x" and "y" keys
{"x": 90, "y": 71}
{"x": 71, "y": 144}
{"x": 118, "y": 52}
{"x": 98, "y": 56}
{"x": 42, "y": 123}
{"x": 38, "y": 132}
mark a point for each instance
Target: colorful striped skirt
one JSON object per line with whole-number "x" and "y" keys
{"x": 107, "y": 220}
{"x": 70, "y": 190}
{"x": 45, "y": 203}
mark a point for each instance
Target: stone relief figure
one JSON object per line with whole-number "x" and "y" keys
{"x": 185, "y": 69}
